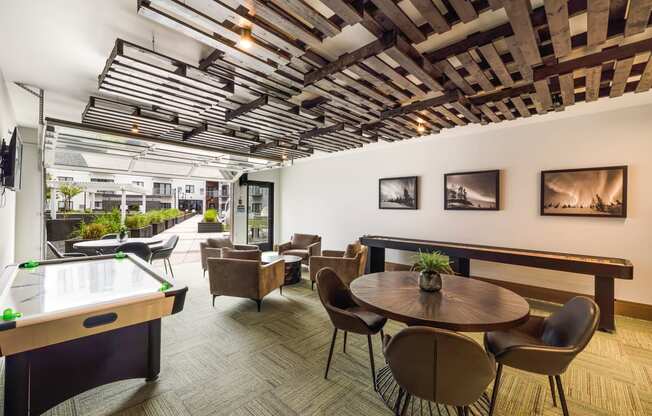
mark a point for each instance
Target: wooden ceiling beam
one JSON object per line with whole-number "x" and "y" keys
{"x": 464, "y": 10}
{"x": 567, "y": 87}
{"x": 520, "y": 106}
{"x": 413, "y": 63}
{"x": 497, "y": 64}
{"x": 450, "y": 116}
{"x": 452, "y": 74}
{"x": 505, "y": 111}
{"x": 382, "y": 68}
{"x": 645, "y": 82}
{"x": 621, "y": 74}
{"x": 557, "y": 15}
{"x": 591, "y": 60}
{"x": 310, "y": 15}
{"x": 400, "y": 20}
{"x": 420, "y": 105}
{"x": 637, "y": 16}
{"x": 345, "y": 10}
{"x": 543, "y": 93}
{"x": 489, "y": 113}
{"x": 518, "y": 12}
{"x": 593, "y": 76}
{"x": 433, "y": 16}
{"x": 598, "y": 21}
{"x": 476, "y": 72}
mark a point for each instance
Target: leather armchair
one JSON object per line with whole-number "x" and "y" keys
{"x": 440, "y": 366}
{"x": 545, "y": 345}
{"x": 212, "y": 247}
{"x": 302, "y": 245}
{"x": 244, "y": 276}
{"x": 348, "y": 265}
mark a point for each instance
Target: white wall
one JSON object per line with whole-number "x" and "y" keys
{"x": 337, "y": 196}
{"x": 8, "y": 201}
{"x": 29, "y": 205}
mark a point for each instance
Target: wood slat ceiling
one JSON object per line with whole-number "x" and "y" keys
{"x": 307, "y": 84}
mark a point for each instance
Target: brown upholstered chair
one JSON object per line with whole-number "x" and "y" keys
{"x": 212, "y": 247}
{"x": 346, "y": 315}
{"x": 302, "y": 245}
{"x": 545, "y": 345}
{"x": 239, "y": 273}
{"x": 439, "y": 366}
{"x": 348, "y": 265}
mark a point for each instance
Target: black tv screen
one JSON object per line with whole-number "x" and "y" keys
{"x": 12, "y": 157}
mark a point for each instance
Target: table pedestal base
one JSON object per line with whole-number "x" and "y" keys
{"x": 388, "y": 390}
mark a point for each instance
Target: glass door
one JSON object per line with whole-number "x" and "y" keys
{"x": 260, "y": 214}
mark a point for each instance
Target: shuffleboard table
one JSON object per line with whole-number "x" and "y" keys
{"x": 69, "y": 325}
{"x": 604, "y": 269}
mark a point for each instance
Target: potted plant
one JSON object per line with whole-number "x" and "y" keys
{"x": 430, "y": 266}
{"x": 156, "y": 221}
{"x": 123, "y": 233}
{"x": 138, "y": 225}
{"x": 210, "y": 224}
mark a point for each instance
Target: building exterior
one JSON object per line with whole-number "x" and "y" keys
{"x": 185, "y": 194}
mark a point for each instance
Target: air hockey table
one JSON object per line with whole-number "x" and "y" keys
{"x": 69, "y": 325}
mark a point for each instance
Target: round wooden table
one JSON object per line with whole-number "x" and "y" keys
{"x": 463, "y": 304}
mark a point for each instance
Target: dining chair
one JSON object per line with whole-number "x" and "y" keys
{"x": 440, "y": 366}
{"x": 545, "y": 345}
{"x": 142, "y": 250}
{"x": 61, "y": 255}
{"x": 164, "y": 251}
{"x": 346, "y": 315}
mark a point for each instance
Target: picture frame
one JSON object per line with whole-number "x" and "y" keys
{"x": 398, "y": 193}
{"x": 599, "y": 192}
{"x": 472, "y": 191}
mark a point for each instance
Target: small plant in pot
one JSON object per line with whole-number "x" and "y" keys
{"x": 123, "y": 233}
{"x": 430, "y": 266}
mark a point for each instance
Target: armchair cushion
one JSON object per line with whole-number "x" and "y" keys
{"x": 304, "y": 240}
{"x": 234, "y": 277}
{"x": 228, "y": 253}
{"x": 219, "y": 243}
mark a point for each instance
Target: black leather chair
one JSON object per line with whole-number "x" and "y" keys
{"x": 439, "y": 366}
{"x": 346, "y": 315}
{"x": 142, "y": 250}
{"x": 61, "y": 255}
{"x": 545, "y": 345}
{"x": 164, "y": 251}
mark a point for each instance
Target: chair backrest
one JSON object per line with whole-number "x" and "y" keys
{"x": 332, "y": 291}
{"x": 229, "y": 253}
{"x": 304, "y": 240}
{"x": 54, "y": 250}
{"x": 171, "y": 243}
{"x": 142, "y": 250}
{"x": 110, "y": 236}
{"x": 573, "y": 325}
{"x": 439, "y": 365}
{"x": 219, "y": 242}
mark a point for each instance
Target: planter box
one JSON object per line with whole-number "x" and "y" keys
{"x": 209, "y": 227}
{"x": 87, "y": 218}
{"x": 144, "y": 232}
{"x": 157, "y": 228}
{"x": 60, "y": 229}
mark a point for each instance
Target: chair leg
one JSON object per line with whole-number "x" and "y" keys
{"x": 344, "y": 346}
{"x": 552, "y": 390}
{"x": 371, "y": 361}
{"x": 494, "y": 395}
{"x": 408, "y": 397}
{"x": 399, "y": 398}
{"x": 258, "y": 303}
{"x": 214, "y": 296}
{"x": 280, "y": 288}
{"x": 170, "y": 265}
{"x": 204, "y": 272}
{"x": 562, "y": 397}
{"x": 330, "y": 353}
{"x": 166, "y": 267}
{"x": 312, "y": 285}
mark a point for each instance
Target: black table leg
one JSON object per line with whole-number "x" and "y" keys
{"x": 462, "y": 266}
{"x": 604, "y": 297}
{"x": 376, "y": 261}
{"x": 154, "y": 350}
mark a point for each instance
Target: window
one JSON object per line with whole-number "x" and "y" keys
{"x": 106, "y": 180}
{"x": 165, "y": 205}
{"x": 65, "y": 179}
{"x": 190, "y": 189}
{"x": 139, "y": 183}
{"x": 162, "y": 189}
{"x": 98, "y": 204}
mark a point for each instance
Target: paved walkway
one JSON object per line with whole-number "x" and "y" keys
{"x": 187, "y": 250}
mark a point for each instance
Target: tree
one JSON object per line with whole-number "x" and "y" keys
{"x": 69, "y": 192}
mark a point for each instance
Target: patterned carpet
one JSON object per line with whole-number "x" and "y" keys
{"x": 231, "y": 360}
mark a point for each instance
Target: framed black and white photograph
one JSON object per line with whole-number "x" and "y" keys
{"x": 398, "y": 193}
{"x": 473, "y": 191}
{"x": 588, "y": 192}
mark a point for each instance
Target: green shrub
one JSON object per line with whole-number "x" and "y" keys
{"x": 136, "y": 221}
{"x": 111, "y": 220}
{"x": 93, "y": 231}
{"x": 210, "y": 215}
{"x": 154, "y": 217}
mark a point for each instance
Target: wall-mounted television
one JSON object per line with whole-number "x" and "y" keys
{"x": 11, "y": 159}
